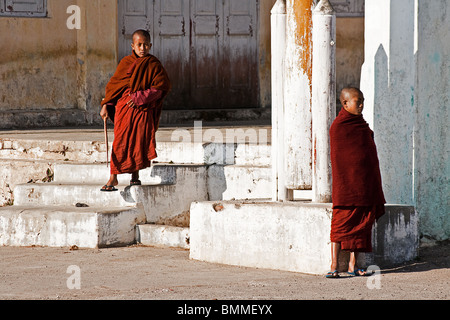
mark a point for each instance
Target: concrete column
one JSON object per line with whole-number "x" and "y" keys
{"x": 297, "y": 90}
{"x": 323, "y": 97}
{"x": 278, "y": 25}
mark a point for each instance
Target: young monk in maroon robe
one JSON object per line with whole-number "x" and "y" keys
{"x": 133, "y": 101}
{"x": 357, "y": 194}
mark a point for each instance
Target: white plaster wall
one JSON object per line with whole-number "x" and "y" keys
{"x": 432, "y": 101}
{"x": 377, "y": 30}
{"x": 405, "y": 79}
{"x": 388, "y": 85}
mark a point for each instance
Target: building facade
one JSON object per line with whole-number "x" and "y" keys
{"x": 58, "y": 55}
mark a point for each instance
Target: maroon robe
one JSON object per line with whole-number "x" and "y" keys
{"x": 145, "y": 82}
{"x": 357, "y": 193}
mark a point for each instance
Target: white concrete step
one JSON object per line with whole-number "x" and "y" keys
{"x": 292, "y": 236}
{"x": 85, "y": 227}
{"x": 183, "y": 173}
{"x": 52, "y": 150}
{"x": 58, "y": 194}
{"x": 253, "y": 155}
{"x": 163, "y": 235}
{"x": 168, "y": 151}
{"x": 159, "y": 173}
{"x": 239, "y": 182}
{"x": 157, "y": 201}
{"x": 225, "y": 182}
{"x": 15, "y": 172}
{"x": 214, "y": 153}
{"x": 161, "y": 184}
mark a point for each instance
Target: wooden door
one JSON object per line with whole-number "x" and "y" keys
{"x": 171, "y": 46}
{"x": 209, "y": 48}
{"x": 240, "y": 53}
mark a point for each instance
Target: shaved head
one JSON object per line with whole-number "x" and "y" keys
{"x": 348, "y": 93}
{"x": 352, "y": 100}
{"x": 141, "y": 44}
{"x": 142, "y": 33}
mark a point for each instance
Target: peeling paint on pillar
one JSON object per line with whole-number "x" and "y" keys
{"x": 298, "y": 147}
{"x": 302, "y": 15}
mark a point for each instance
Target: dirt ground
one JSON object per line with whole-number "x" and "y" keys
{"x": 151, "y": 273}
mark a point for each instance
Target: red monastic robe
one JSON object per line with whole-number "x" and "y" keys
{"x": 145, "y": 81}
{"x": 357, "y": 194}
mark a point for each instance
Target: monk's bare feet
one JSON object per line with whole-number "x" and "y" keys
{"x": 135, "y": 179}
{"x": 113, "y": 180}
{"x": 353, "y": 270}
{"x": 111, "y": 184}
{"x": 357, "y": 272}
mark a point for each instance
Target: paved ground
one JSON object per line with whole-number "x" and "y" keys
{"x": 139, "y": 272}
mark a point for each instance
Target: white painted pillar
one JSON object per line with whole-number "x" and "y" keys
{"x": 297, "y": 90}
{"x": 278, "y": 30}
{"x": 323, "y": 97}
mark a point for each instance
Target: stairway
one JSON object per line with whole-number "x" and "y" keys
{"x": 72, "y": 211}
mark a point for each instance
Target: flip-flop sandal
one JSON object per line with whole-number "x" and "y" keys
{"x": 332, "y": 274}
{"x": 135, "y": 183}
{"x": 107, "y": 188}
{"x": 356, "y": 273}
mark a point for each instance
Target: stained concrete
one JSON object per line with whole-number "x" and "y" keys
{"x": 292, "y": 236}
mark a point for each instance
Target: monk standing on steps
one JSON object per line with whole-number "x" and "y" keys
{"x": 133, "y": 101}
{"x": 357, "y": 194}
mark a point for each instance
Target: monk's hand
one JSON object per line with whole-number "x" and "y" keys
{"x": 104, "y": 112}
{"x": 131, "y": 104}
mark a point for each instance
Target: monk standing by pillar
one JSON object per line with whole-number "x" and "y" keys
{"x": 357, "y": 194}
{"x": 133, "y": 101}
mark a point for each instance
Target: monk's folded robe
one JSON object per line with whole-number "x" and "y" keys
{"x": 357, "y": 193}
{"x": 144, "y": 81}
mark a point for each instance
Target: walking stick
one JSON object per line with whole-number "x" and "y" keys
{"x": 106, "y": 140}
